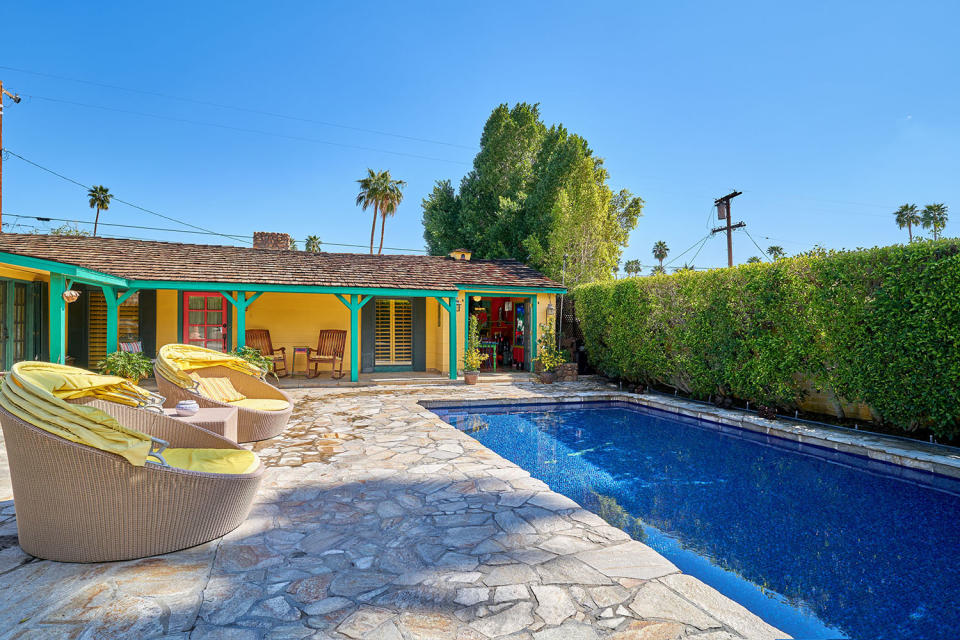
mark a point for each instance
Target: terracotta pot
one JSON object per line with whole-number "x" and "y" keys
{"x": 548, "y": 377}
{"x": 471, "y": 377}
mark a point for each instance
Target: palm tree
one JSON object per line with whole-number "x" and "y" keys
{"x": 753, "y": 260}
{"x": 658, "y": 270}
{"x": 632, "y": 267}
{"x": 100, "y": 198}
{"x": 775, "y": 251}
{"x": 660, "y": 251}
{"x": 934, "y": 218}
{"x": 616, "y": 270}
{"x": 313, "y": 244}
{"x": 388, "y": 205}
{"x": 685, "y": 267}
{"x": 292, "y": 245}
{"x": 372, "y": 189}
{"x": 907, "y": 216}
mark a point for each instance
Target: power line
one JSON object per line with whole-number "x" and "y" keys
{"x": 676, "y": 257}
{"x": 233, "y": 107}
{"x": 755, "y": 243}
{"x": 129, "y": 204}
{"x": 227, "y": 127}
{"x": 148, "y": 228}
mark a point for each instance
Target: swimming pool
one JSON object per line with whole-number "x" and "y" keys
{"x": 817, "y": 543}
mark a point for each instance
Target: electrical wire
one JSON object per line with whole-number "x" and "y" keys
{"x": 755, "y": 243}
{"x": 234, "y": 107}
{"x": 116, "y": 199}
{"x": 147, "y": 228}
{"x": 703, "y": 239}
{"x": 227, "y": 127}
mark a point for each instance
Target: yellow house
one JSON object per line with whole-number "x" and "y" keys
{"x": 76, "y": 299}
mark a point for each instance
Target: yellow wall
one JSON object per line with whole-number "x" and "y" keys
{"x": 294, "y": 320}
{"x": 29, "y": 275}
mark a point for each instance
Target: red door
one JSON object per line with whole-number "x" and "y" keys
{"x": 205, "y": 320}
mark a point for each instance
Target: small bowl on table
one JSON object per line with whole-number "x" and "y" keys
{"x": 186, "y": 408}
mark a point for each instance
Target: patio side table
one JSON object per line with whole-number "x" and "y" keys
{"x": 220, "y": 420}
{"x": 305, "y": 352}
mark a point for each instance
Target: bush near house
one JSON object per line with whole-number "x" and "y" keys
{"x": 879, "y": 326}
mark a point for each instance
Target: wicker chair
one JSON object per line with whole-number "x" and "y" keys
{"x": 259, "y": 339}
{"x": 80, "y": 504}
{"x": 329, "y": 349}
{"x": 252, "y": 424}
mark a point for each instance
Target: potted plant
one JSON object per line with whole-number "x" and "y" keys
{"x": 132, "y": 366}
{"x": 549, "y": 357}
{"x": 254, "y": 357}
{"x": 472, "y": 357}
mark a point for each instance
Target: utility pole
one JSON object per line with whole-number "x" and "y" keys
{"x": 15, "y": 98}
{"x": 723, "y": 213}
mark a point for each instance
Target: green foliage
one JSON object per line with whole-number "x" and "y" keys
{"x": 254, "y": 357}
{"x": 908, "y": 216}
{"x": 879, "y": 326}
{"x": 660, "y": 251}
{"x": 776, "y": 252}
{"x": 632, "y": 267}
{"x": 99, "y": 199}
{"x": 472, "y": 356}
{"x": 934, "y": 217}
{"x": 753, "y": 260}
{"x": 535, "y": 195}
{"x": 379, "y": 189}
{"x": 313, "y": 244}
{"x": 67, "y": 229}
{"x": 133, "y": 366}
{"x": 548, "y": 355}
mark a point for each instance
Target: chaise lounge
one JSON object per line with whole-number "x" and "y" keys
{"x": 215, "y": 379}
{"x": 98, "y": 476}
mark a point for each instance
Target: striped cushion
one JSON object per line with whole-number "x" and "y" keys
{"x": 217, "y": 389}
{"x": 132, "y": 347}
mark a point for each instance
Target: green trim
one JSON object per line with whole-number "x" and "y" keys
{"x": 387, "y": 368}
{"x": 533, "y": 331}
{"x": 113, "y": 321}
{"x": 58, "y": 318}
{"x": 506, "y": 289}
{"x": 287, "y": 288}
{"x": 8, "y": 319}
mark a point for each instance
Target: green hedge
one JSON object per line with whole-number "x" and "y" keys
{"x": 879, "y": 326}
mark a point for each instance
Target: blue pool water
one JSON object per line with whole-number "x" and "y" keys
{"x": 818, "y": 544}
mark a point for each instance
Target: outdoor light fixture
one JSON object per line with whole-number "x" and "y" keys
{"x": 70, "y": 296}
{"x": 550, "y": 309}
{"x": 476, "y": 298}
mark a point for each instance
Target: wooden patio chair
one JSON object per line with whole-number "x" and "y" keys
{"x": 259, "y": 339}
{"x": 330, "y": 347}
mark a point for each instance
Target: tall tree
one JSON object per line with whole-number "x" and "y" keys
{"x": 372, "y": 189}
{"x": 100, "y": 198}
{"x": 388, "y": 205}
{"x": 660, "y": 251}
{"x": 658, "y": 270}
{"x": 313, "y": 244}
{"x": 907, "y": 216}
{"x": 534, "y": 193}
{"x": 775, "y": 251}
{"x": 934, "y": 218}
{"x": 632, "y": 267}
{"x": 753, "y": 260}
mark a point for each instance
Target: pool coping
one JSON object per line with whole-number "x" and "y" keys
{"x": 916, "y": 455}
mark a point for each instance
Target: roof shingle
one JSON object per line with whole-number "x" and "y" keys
{"x": 152, "y": 260}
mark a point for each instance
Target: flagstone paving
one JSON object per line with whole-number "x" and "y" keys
{"x": 377, "y": 520}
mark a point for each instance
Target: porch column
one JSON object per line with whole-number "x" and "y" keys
{"x": 452, "y": 312}
{"x": 240, "y": 303}
{"x": 58, "y": 318}
{"x": 354, "y": 304}
{"x": 533, "y": 331}
{"x": 113, "y": 322}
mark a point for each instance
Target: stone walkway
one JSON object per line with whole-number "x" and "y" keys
{"x": 377, "y": 520}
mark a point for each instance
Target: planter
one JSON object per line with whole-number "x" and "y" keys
{"x": 548, "y": 377}
{"x": 471, "y": 377}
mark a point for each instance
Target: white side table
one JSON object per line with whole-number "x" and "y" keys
{"x": 221, "y": 421}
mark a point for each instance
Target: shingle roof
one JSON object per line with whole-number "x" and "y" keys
{"x": 151, "y": 260}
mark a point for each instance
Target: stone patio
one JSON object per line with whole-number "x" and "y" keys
{"x": 378, "y": 520}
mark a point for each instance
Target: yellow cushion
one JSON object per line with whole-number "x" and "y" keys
{"x": 217, "y": 389}
{"x": 262, "y": 404}
{"x": 229, "y": 461}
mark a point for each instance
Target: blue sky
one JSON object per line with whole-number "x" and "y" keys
{"x": 826, "y": 115}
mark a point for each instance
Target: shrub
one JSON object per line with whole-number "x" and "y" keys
{"x": 133, "y": 366}
{"x": 473, "y": 358}
{"x": 879, "y": 326}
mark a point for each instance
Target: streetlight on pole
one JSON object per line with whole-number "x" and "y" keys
{"x": 16, "y": 99}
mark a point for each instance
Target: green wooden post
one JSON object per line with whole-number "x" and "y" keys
{"x": 58, "y": 318}
{"x": 241, "y": 319}
{"x": 533, "y": 330}
{"x": 113, "y": 321}
{"x": 354, "y": 338}
{"x": 452, "y": 313}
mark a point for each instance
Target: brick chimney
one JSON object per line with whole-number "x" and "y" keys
{"x": 270, "y": 240}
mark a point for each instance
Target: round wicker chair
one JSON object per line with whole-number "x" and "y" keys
{"x": 75, "y": 503}
{"x": 252, "y": 424}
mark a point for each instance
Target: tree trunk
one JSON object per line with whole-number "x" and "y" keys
{"x": 383, "y": 225}
{"x": 373, "y": 229}
{"x": 910, "y": 231}
{"x": 95, "y": 221}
